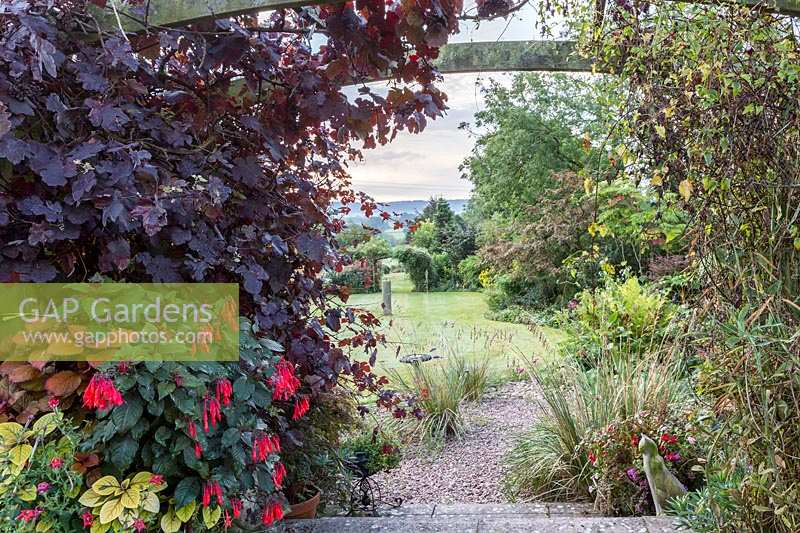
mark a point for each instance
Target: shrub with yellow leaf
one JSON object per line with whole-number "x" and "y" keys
{"x": 38, "y": 485}
{"x": 130, "y": 504}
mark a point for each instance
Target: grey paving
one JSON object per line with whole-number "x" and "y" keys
{"x": 489, "y": 518}
{"x": 479, "y": 524}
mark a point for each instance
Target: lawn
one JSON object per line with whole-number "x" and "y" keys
{"x": 450, "y": 323}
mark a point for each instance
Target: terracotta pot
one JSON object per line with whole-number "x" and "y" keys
{"x": 306, "y": 509}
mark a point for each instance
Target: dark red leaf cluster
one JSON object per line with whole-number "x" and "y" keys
{"x": 209, "y": 154}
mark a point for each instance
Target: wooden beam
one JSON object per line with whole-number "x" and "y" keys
{"x": 176, "y": 13}
{"x": 501, "y": 56}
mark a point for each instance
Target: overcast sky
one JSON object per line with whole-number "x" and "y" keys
{"x": 416, "y": 167}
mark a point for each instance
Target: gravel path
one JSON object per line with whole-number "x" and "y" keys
{"x": 468, "y": 470}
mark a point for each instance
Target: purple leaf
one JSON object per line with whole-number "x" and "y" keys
{"x": 14, "y": 149}
{"x": 53, "y": 169}
{"x": 218, "y": 191}
{"x": 82, "y": 185}
{"x": 113, "y": 211}
{"x": 93, "y": 80}
{"x": 161, "y": 269}
{"x": 106, "y": 115}
{"x": 154, "y": 217}
{"x": 119, "y": 51}
{"x": 116, "y": 254}
{"x": 46, "y": 51}
{"x": 34, "y": 206}
{"x": 18, "y": 108}
{"x": 41, "y": 272}
{"x": 86, "y": 150}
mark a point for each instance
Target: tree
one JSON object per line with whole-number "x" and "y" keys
{"x": 446, "y": 235}
{"x": 419, "y": 265}
{"x": 372, "y": 252}
{"x": 424, "y": 236}
{"x": 352, "y": 235}
{"x": 527, "y": 132}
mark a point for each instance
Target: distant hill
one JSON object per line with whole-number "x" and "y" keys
{"x": 405, "y": 209}
{"x": 416, "y": 206}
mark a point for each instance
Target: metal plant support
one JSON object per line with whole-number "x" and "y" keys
{"x": 365, "y": 493}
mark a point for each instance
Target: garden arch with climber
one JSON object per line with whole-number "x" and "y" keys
{"x": 155, "y": 143}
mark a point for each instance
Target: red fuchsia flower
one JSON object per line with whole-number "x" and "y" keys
{"x": 56, "y": 463}
{"x": 156, "y": 479}
{"x": 263, "y": 445}
{"x": 273, "y": 512}
{"x": 210, "y": 489}
{"x": 42, "y": 487}
{"x": 228, "y": 520}
{"x": 284, "y": 381}
{"x": 211, "y": 411}
{"x": 300, "y": 408}
{"x": 139, "y": 525}
{"x": 218, "y": 493}
{"x": 101, "y": 393}
{"x": 224, "y": 391}
{"x": 192, "y": 428}
{"x": 123, "y": 367}
{"x": 278, "y": 474}
{"x": 178, "y": 379}
{"x": 206, "y": 495}
{"x": 236, "y": 506}
{"x": 87, "y": 519}
{"x": 29, "y": 515}
{"x": 198, "y": 450}
{"x": 592, "y": 458}
{"x": 673, "y": 457}
{"x": 669, "y": 439}
{"x": 635, "y": 441}
{"x": 53, "y": 402}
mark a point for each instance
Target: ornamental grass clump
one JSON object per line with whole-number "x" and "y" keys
{"x": 558, "y": 459}
{"x": 440, "y": 387}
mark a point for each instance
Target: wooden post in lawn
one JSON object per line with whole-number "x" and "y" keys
{"x": 386, "y": 290}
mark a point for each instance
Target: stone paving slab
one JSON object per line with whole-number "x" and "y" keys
{"x": 468, "y": 509}
{"x": 479, "y": 524}
{"x": 525, "y": 509}
{"x": 412, "y": 509}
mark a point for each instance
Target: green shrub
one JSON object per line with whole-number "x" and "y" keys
{"x": 621, "y": 317}
{"x": 527, "y": 293}
{"x": 419, "y": 265}
{"x": 712, "y": 508}
{"x": 445, "y": 271}
{"x": 469, "y": 269}
{"x": 381, "y": 451}
{"x": 750, "y": 374}
{"x": 316, "y": 455}
{"x": 358, "y": 280}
